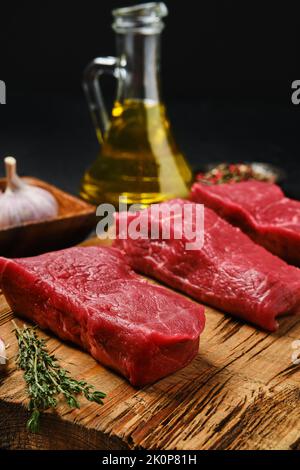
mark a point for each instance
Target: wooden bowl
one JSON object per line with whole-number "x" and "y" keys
{"x": 74, "y": 222}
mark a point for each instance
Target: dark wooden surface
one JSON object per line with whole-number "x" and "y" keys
{"x": 241, "y": 392}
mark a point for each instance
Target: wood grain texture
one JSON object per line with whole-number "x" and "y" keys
{"x": 241, "y": 392}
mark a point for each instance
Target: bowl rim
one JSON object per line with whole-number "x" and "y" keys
{"x": 87, "y": 208}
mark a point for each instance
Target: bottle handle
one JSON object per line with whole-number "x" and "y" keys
{"x": 91, "y": 85}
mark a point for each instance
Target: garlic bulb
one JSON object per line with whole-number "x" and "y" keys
{"x": 22, "y": 202}
{"x": 2, "y": 352}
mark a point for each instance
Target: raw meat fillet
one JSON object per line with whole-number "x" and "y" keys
{"x": 229, "y": 272}
{"x": 261, "y": 210}
{"x": 91, "y": 297}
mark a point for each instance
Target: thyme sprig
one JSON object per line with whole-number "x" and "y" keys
{"x": 45, "y": 379}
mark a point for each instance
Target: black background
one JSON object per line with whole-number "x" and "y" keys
{"x": 227, "y": 71}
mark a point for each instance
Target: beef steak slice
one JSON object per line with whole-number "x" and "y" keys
{"x": 230, "y": 272}
{"x": 91, "y": 297}
{"x": 261, "y": 210}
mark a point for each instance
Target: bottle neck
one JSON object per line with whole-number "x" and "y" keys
{"x": 139, "y": 77}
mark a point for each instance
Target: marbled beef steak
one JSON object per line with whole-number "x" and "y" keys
{"x": 229, "y": 272}
{"x": 261, "y": 210}
{"x": 90, "y": 296}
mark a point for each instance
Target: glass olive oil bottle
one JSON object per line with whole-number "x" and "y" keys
{"x": 138, "y": 158}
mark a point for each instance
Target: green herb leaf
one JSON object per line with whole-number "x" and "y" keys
{"x": 45, "y": 379}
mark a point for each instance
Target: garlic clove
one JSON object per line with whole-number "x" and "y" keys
{"x": 22, "y": 202}
{"x": 3, "y": 357}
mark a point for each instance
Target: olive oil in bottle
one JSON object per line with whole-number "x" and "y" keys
{"x": 138, "y": 158}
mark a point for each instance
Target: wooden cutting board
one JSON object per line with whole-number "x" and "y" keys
{"x": 241, "y": 392}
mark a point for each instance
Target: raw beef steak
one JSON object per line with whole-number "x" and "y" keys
{"x": 229, "y": 272}
{"x": 259, "y": 209}
{"x": 91, "y": 297}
